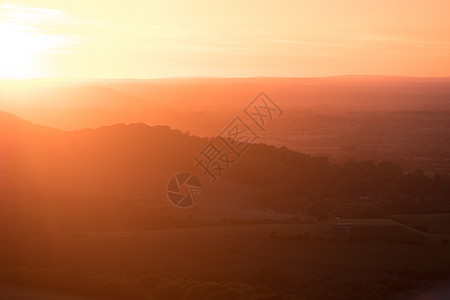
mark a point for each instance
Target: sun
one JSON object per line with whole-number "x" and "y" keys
{"x": 27, "y": 36}
{"x": 19, "y": 51}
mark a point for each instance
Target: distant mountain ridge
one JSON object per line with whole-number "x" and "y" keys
{"x": 173, "y": 100}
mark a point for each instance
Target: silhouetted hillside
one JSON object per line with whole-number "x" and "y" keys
{"x": 404, "y": 120}
{"x": 79, "y": 209}
{"x": 133, "y": 158}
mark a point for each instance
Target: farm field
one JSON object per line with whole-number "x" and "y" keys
{"x": 17, "y": 293}
{"x": 229, "y": 253}
{"x": 387, "y": 245}
{"x": 253, "y": 243}
{"x": 438, "y": 223}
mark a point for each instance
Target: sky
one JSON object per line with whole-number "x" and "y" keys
{"x": 152, "y": 39}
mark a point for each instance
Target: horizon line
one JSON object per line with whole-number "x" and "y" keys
{"x": 214, "y": 77}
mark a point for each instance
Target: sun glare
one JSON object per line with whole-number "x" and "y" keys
{"x": 24, "y": 41}
{"x": 19, "y": 52}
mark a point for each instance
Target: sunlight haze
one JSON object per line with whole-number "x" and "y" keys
{"x": 226, "y": 150}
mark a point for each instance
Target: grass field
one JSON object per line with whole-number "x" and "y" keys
{"x": 18, "y": 293}
{"x": 238, "y": 246}
{"x": 387, "y": 245}
{"x": 381, "y": 250}
{"x": 439, "y": 223}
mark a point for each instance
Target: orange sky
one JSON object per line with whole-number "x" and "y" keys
{"x": 146, "y": 39}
